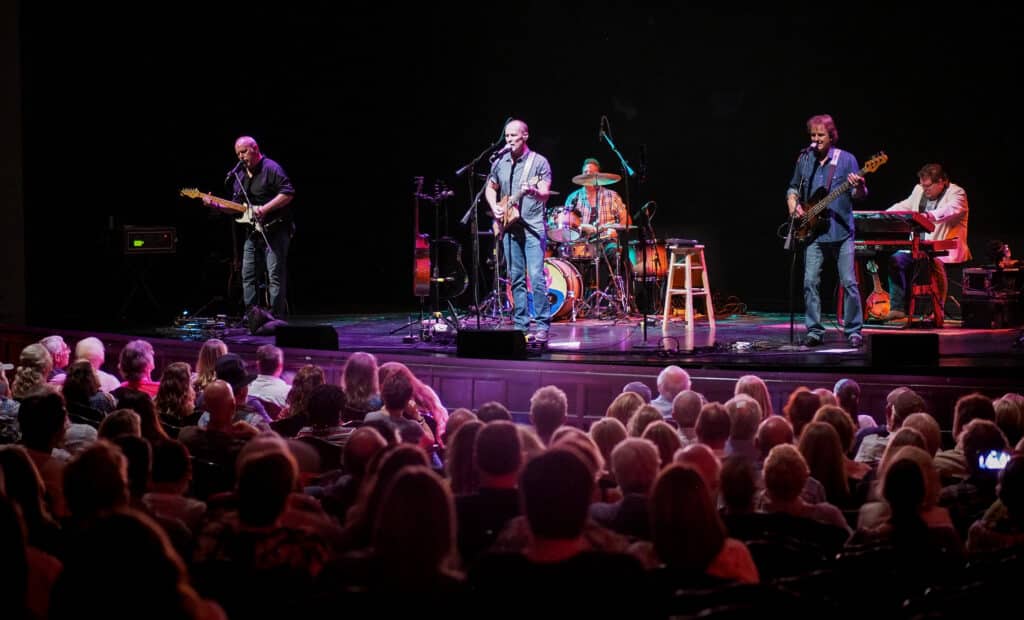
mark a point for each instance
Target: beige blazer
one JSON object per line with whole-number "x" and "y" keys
{"x": 950, "y": 217}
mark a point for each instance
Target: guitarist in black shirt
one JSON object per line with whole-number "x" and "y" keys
{"x": 262, "y": 184}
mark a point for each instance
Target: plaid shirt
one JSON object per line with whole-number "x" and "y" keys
{"x": 609, "y": 208}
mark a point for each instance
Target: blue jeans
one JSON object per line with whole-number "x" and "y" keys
{"x": 524, "y": 253}
{"x": 904, "y": 271}
{"x": 257, "y": 260}
{"x": 814, "y": 256}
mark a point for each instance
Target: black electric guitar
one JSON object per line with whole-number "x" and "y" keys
{"x": 815, "y": 220}
{"x": 246, "y": 211}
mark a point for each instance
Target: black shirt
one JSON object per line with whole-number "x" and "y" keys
{"x": 268, "y": 180}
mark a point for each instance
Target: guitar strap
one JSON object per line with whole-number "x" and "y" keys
{"x": 525, "y": 175}
{"x": 831, "y": 170}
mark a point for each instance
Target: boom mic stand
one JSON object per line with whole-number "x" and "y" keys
{"x": 472, "y": 217}
{"x": 629, "y": 173}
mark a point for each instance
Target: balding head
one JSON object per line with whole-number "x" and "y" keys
{"x": 685, "y": 408}
{"x": 744, "y": 417}
{"x": 247, "y": 141}
{"x": 219, "y": 400}
{"x": 671, "y": 381}
{"x": 701, "y": 458}
{"x": 774, "y": 431}
{"x": 91, "y": 349}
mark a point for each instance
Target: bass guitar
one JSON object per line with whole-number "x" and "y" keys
{"x": 246, "y": 211}
{"x": 815, "y": 220}
{"x": 878, "y": 303}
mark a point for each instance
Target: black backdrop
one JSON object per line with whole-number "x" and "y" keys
{"x": 122, "y": 109}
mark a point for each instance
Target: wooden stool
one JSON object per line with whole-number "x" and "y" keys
{"x": 688, "y": 261}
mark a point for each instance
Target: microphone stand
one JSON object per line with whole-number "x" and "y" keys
{"x": 471, "y": 216}
{"x": 237, "y": 182}
{"x": 629, "y": 173}
{"x": 790, "y": 246}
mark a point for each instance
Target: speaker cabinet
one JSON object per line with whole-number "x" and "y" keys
{"x": 491, "y": 343}
{"x": 903, "y": 349}
{"x": 322, "y": 337}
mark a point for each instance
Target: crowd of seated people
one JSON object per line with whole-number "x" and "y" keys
{"x": 225, "y": 492}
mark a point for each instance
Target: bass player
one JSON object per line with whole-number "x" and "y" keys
{"x": 820, "y": 168}
{"x": 522, "y": 178}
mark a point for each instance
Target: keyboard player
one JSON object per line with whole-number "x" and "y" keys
{"x": 945, "y": 204}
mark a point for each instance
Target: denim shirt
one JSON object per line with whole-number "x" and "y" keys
{"x": 531, "y": 209}
{"x": 806, "y": 180}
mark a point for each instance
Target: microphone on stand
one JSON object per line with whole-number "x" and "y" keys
{"x": 810, "y": 147}
{"x": 231, "y": 173}
{"x": 505, "y": 149}
{"x": 600, "y": 128}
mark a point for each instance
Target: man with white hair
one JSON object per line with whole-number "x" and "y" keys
{"x": 92, "y": 349}
{"x": 61, "y": 354}
{"x": 671, "y": 381}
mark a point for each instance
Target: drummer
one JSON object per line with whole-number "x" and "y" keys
{"x": 602, "y": 212}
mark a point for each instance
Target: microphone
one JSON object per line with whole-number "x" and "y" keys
{"x": 232, "y": 172}
{"x": 600, "y": 128}
{"x": 505, "y": 149}
{"x": 810, "y": 147}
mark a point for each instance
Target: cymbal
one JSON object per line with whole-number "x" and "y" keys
{"x": 598, "y": 178}
{"x": 618, "y": 227}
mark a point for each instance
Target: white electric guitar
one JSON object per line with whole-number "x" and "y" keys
{"x": 246, "y": 217}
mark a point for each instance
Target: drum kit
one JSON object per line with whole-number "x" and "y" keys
{"x": 580, "y": 257}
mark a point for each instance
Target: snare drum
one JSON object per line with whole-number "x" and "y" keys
{"x": 563, "y": 225}
{"x": 581, "y": 251}
{"x": 657, "y": 260}
{"x": 564, "y": 285}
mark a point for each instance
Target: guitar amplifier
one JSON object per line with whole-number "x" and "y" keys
{"x": 150, "y": 240}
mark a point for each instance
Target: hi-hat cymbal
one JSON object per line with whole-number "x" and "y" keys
{"x": 597, "y": 178}
{"x": 618, "y": 227}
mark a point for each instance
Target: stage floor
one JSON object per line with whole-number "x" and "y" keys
{"x": 753, "y": 339}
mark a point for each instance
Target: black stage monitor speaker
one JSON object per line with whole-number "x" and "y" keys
{"x": 903, "y": 349}
{"x": 322, "y": 337}
{"x": 491, "y": 343}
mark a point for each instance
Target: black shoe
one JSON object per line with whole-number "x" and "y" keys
{"x": 812, "y": 340}
{"x": 856, "y": 341}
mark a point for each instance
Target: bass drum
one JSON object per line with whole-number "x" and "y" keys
{"x": 564, "y": 285}
{"x": 657, "y": 260}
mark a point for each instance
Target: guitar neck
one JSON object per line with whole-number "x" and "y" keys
{"x": 827, "y": 200}
{"x": 230, "y": 205}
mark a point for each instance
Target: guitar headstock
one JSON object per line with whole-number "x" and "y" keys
{"x": 876, "y": 161}
{"x": 871, "y": 266}
{"x": 190, "y": 192}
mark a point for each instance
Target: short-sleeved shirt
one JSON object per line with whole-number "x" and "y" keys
{"x": 508, "y": 177}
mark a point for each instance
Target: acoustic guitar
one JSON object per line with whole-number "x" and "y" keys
{"x": 510, "y": 204}
{"x": 815, "y": 220}
{"x": 878, "y": 303}
{"x": 420, "y": 249}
